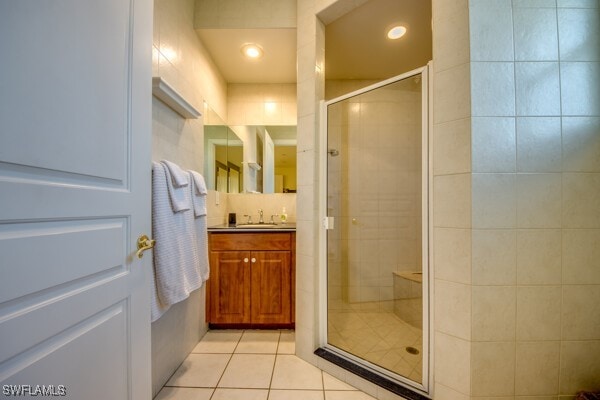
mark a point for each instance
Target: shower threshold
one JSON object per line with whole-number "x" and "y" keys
{"x": 379, "y": 380}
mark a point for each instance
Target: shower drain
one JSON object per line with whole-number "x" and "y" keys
{"x": 411, "y": 350}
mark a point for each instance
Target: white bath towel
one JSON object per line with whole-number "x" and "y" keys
{"x": 176, "y": 253}
{"x": 178, "y": 186}
{"x": 199, "y": 193}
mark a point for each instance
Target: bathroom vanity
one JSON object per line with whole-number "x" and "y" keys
{"x": 252, "y": 277}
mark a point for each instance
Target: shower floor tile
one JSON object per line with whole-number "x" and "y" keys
{"x": 374, "y": 333}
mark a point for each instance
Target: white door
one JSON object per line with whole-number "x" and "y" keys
{"x": 75, "y": 120}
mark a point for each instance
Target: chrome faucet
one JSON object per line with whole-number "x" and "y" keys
{"x": 260, "y": 216}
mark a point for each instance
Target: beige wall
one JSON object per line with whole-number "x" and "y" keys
{"x": 261, "y": 104}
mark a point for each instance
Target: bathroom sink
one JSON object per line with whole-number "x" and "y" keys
{"x": 254, "y": 226}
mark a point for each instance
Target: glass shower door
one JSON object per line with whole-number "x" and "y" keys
{"x": 377, "y": 253}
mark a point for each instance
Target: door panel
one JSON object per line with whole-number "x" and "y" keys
{"x": 75, "y": 107}
{"x": 230, "y": 287}
{"x": 271, "y": 287}
{"x": 68, "y": 61}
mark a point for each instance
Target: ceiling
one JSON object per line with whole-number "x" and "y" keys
{"x": 356, "y": 45}
{"x": 278, "y": 64}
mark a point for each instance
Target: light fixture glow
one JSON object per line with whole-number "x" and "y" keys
{"x": 396, "y": 32}
{"x": 252, "y": 51}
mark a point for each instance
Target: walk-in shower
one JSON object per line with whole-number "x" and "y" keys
{"x": 375, "y": 243}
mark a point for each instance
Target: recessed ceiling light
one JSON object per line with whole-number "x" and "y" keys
{"x": 396, "y": 32}
{"x": 252, "y": 51}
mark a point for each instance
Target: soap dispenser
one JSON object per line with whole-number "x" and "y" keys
{"x": 283, "y": 215}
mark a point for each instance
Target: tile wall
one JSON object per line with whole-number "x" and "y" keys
{"x": 535, "y": 145}
{"x": 261, "y": 104}
{"x": 180, "y": 59}
{"x": 513, "y": 229}
{"x": 374, "y": 191}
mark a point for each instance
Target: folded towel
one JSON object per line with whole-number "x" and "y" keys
{"x": 179, "y": 194}
{"x": 198, "y": 193}
{"x": 179, "y": 177}
{"x": 198, "y": 180}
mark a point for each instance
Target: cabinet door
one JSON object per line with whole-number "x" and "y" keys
{"x": 271, "y": 287}
{"x": 230, "y": 287}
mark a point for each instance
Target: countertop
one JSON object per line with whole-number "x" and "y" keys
{"x": 287, "y": 227}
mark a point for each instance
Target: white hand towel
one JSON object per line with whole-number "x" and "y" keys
{"x": 198, "y": 193}
{"x": 176, "y": 186}
{"x": 178, "y": 176}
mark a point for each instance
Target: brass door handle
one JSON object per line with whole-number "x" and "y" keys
{"x": 144, "y": 243}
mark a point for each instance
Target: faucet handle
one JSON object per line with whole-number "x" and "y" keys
{"x": 249, "y": 218}
{"x": 273, "y": 218}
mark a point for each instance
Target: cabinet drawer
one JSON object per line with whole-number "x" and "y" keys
{"x": 250, "y": 241}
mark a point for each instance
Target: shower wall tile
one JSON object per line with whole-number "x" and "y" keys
{"x": 449, "y": 353}
{"x": 494, "y": 313}
{"x": 452, "y": 308}
{"x": 539, "y": 200}
{"x": 492, "y": 89}
{"x": 494, "y": 144}
{"x": 537, "y": 312}
{"x": 580, "y": 312}
{"x": 579, "y": 367}
{"x": 534, "y": 4}
{"x": 491, "y": 22}
{"x": 579, "y": 33}
{"x": 494, "y": 201}
{"x": 493, "y": 368}
{"x": 452, "y": 197}
{"x": 452, "y": 147}
{"x": 494, "y": 257}
{"x": 451, "y": 98}
{"x": 537, "y": 88}
{"x": 537, "y": 368}
{"x": 452, "y": 254}
{"x": 581, "y": 256}
{"x": 443, "y": 392}
{"x": 581, "y": 144}
{"x": 579, "y": 88}
{"x": 451, "y": 39}
{"x": 578, "y": 3}
{"x": 581, "y": 196}
{"x": 536, "y": 36}
{"x": 539, "y": 255}
{"x": 539, "y": 144}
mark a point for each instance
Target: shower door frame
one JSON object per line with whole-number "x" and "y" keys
{"x": 425, "y": 387}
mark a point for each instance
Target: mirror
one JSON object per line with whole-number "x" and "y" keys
{"x": 248, "y": 158}
{"x": 223, "y": 157}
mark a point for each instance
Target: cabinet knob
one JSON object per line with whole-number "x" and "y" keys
{"x": 246, "y": 259}
{"x": 253, "y": 259}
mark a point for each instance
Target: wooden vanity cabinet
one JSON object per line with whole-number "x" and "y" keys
{"x": 251, "y": 279}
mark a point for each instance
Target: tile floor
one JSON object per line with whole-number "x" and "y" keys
{"x": 252, "y": 365}
{"x": 375, "y": 333}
